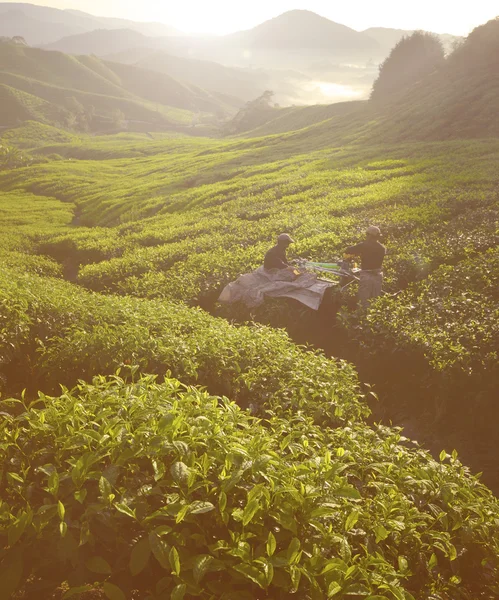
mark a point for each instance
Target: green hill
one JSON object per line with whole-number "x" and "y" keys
{"x": 457, "y": 100}
{"x": 19, "y": 106}
{"x": 283, "y": 120}
{"x": 100, "y": 89}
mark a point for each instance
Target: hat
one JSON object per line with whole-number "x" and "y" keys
{"x": 285, "y": 237}
{"x": 373, "y": 230}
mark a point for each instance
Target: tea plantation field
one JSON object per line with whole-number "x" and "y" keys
{"x": 113, "y": 251}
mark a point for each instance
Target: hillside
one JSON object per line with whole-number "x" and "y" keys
{"x": 99, "y": 89}
{"x": 19, "y": 106}
{"x": 145, "y": 230}
{"x": 458, "y": 100}
{"x": 43, "y": 24}
{"x": 285, "y": 120}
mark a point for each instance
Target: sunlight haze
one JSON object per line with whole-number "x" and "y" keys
{"x": 225, "y": 16}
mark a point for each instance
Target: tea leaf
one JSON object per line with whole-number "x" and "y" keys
{"x": 180, "y": 473}
{"x": 249, "y": 511}
{"x": 202, "y": 565}
{"x": 15, "y": 531}
{"x": 139, "y": 556}
{"x": 174, "y": 560}
{"x": 348, "y": 492}
{"x": 178, "y": 592}
{"x": 271, "y": 544}
{"x": 295, "y": 574}
{"x": 105, "y": 488}
{"x": 333, "y": 589}
{"x": 96, "y": 564}
{"x": 113, "y": 592}
{"x": 352, "y": 519}
{"x": 126, "y": 510}
{"x": 381, "y": 533}
{"x": 293, "y": 551}
{"x": 252, "y": 573}
{"x": 53, "y": 483}
{"x": 80, "y": 495}
{"x": 222, "y": 501}
{"x": 159, "y": 549}
{"x": 199, "y": 508}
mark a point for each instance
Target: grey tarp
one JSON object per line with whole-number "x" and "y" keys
{"x": 253, "y": 288}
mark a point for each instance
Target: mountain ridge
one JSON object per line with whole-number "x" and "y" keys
{"x": 44, "y": 24}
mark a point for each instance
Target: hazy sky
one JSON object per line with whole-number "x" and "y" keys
{"x": 225, "y": 16}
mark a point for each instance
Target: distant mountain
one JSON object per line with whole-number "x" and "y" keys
{"x": 42, "y": 25}
{"x": 132, "y": 48}
{"x": 88, "y": 93}
{"x": 287, "y": 41}
{"x": 387, "y": 38}
{"x": 102, "y": 42}
{"x": 303, "y": 29}
{"x": 242, "y": 83}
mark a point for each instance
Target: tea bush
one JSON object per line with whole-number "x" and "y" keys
{"x": 168, "y": 492}
{"x": 60, "y": 333}
{"x": 310, "y": 501}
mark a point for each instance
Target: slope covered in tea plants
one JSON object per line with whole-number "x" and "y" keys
{"x": 187, "y": 216}
{"x": 167, "y": 490}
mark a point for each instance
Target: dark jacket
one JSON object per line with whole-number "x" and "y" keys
{"x": 276, "y": 258}
{"x": 371, "y": 254}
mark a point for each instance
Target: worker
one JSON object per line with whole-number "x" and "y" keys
{"x": 276, "y": 256}
{"x": 371, "y": 253}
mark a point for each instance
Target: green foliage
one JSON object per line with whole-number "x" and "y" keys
{"x": 413, "y": 58}
{"x": 175, "y": 493}
{"x": 169, "y": 491}
{"x": 62, "y": 333}
{"x": 11, "y": 157}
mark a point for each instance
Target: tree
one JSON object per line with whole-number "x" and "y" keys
{"x": 11, "y": 158}
{"x": 80, "y": 117}
{"x": 118, "y": 118}
{"x": 413, "y": 58}
{"x": 252, "y": 114}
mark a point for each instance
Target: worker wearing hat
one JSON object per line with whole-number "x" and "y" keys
{"x": 276, "y": 256}
{"x": 371, "y": 253}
